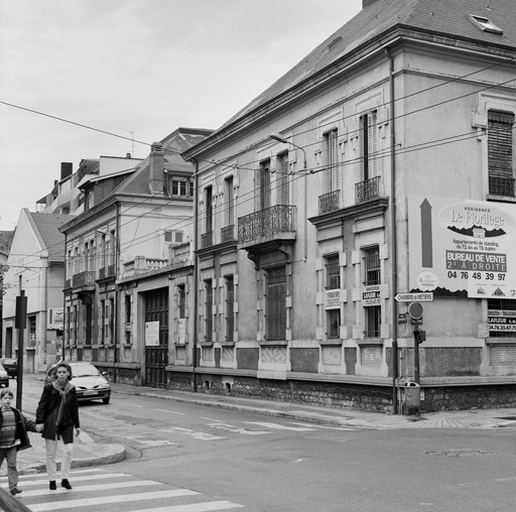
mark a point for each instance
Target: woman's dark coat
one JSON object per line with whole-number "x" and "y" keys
{"x": 22, "y": 425}
{"x": 47, "y": 413}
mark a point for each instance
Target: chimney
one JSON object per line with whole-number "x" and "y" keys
{"x": 156, "y": 169}
{"x": 66, "y": 169}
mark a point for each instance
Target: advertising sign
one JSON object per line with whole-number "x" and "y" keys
{"x": 462, "y": 245}
{"x": 371, "y": 295}
{"x": 151, "y": 334}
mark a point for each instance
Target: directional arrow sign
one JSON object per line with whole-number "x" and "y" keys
{"x": 414, "y": 297}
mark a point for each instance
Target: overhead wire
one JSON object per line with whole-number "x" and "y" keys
{"x": 313, "y": 170}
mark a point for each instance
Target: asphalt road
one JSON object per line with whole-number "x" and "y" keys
{"x": 274, "y": 464}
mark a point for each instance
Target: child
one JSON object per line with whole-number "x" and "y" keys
{"x": 13, "y": 436}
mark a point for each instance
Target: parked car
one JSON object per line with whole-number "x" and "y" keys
{"x": 11, "y": 366}
{"x": 88, "y": 381}
{"x": 4, "y": 378}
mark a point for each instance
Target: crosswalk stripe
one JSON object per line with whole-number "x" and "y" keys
{"x": 208, "y": 506}
{"x": 74, "y": 478}
{"x": 87, "y": 502}
{"x": 96, "y": 487}
{"x": 277, "y": 426}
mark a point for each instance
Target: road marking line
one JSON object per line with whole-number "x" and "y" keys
{"x": 44, "y": 479}
{"x": 195, "y": 507}
{"x": 96, "y": 487}
{"x": 238, "y": 430}
{"x": 200, "y": 436}
{"x": 277, "y": 426}
{"x": 135, "y": 405}
{"x": 171, "y": 412}
{"x": 125, "y": 498}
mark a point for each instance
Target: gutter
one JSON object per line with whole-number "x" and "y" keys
{"x": 394, "y": 254}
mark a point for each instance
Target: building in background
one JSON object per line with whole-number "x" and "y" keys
{"x": 124, "y": 264}
{"x": 36, "y": 266}
{"x": 376, "y": 173}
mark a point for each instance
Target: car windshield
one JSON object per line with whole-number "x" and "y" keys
{"x": 84, "y": 371}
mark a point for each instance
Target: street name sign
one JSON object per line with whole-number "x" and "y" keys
{"x": 414, "y": 297}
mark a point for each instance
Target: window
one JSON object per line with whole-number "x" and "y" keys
{"x": 32, "y": 330}
{"x": 208, "y": 196}
{"x": 264, "y": 188}
{"x": 501, "y": 317}
{"x": 181, "y": 301}
{"x": 230, "y": 308}
{"x": 179, "y": 186}
{"x": 500, "y": 153}
{"x": 372, "y": 266}
{"x": 333, "y": 283}
{"x": 89, "y": 324}
{"x": 282, "y": 177}
{"x": 276, "y": 304}
{"x": 208, "y": 309}
{"x": 230, "y": 201}
{"x": 111, "y": 320}
{"x": 369, "y": 144}
{"x": 103, "y": 316}
{"x": 484, "y": 24}
{"x": 372, "y": 321}
{"x": 333, "y": 323}
{"x": 330, "y": 142}
{"x": 128, "y": 309}
{"x": 332, "y": 272}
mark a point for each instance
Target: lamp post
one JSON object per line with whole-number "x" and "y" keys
{"x": 278, "y": 138}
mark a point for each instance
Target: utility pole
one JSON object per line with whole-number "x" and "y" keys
{"x": 20, "y": 323}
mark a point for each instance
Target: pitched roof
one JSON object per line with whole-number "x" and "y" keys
{"x": 47, "y": 225}
{"x": 440, "y": 17}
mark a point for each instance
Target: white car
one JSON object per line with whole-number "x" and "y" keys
{"x": 88, "y": 381}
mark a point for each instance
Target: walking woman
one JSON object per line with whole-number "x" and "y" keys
{"x": 58, "y": 411}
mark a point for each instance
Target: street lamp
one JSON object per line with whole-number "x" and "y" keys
{"x": 278, "y": 138}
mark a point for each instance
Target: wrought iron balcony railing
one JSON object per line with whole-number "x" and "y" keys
{"x": 501, "y": 186}
{"x": 367, "y": 190}
{"x": 329, "y": 202}
{"x": 86, "y": 278}
{"x": 266, "y": 223}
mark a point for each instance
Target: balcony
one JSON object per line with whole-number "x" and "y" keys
{"x": 329, "y": 202}
{"x": 501, "y": 186}
{"x": 274, "y": 224}
{"x": 142, "y": 265}
{"x": 367, "y": 190}
{"x": 207, "y": 239}
{"x": 84, "y": 279}
{"x": 108, "y": 271}
{"x": 180, "y": 254}
{"x": 227, "y": 234}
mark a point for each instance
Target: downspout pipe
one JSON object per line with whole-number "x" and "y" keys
{"x": 394, "y": 254}
{"x": 195, "y": 274}
{"x": 117, "y": 292}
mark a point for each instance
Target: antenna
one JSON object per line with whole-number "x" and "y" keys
{"x": 132, "y": 142}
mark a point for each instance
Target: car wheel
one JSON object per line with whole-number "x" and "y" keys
{"x": 106, "y": 400}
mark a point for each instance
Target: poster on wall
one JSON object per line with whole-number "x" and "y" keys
{"x": 151, "y": 334}
{"x": 458, "y": 245}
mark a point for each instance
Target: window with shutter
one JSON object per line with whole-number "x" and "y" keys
{"x": 370, "y": 145}
{"x": 500, "y": 153}
{"x": 331, "y": 139}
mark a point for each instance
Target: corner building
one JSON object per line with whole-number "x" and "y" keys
{"x": 381, "y": 165}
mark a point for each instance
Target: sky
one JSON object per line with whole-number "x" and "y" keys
{"x": 138, "y": 70}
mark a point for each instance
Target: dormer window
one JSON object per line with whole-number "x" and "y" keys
{"x": 484, "y": 24}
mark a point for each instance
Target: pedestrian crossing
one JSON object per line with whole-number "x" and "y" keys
{"x": 111, "y": 491}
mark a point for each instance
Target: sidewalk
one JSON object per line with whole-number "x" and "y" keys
{"x": 89, "y": 453}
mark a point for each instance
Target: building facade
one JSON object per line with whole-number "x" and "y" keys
{"x": 376, "y": 174}
{"x": 127, "y": 256}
